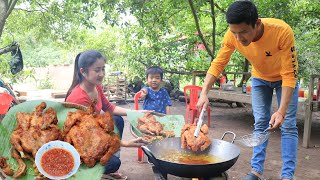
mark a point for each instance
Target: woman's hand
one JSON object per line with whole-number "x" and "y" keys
{"x": 134, "y": 143}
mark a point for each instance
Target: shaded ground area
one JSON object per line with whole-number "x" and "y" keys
{"x": 239, "y": 121}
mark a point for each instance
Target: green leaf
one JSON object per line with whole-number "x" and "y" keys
{"x": 8, "y": 124}
{"x": 171, "y": 122}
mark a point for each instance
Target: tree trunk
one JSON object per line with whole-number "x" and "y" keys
{"x": 194, "y": 13}
{"x": 8, "y": 49}
{"x": 3, "y": 14}
{"x": 213, "y": 18}
{"x": 5, "y": 11}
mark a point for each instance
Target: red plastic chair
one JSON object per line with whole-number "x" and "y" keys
{"x": 193, "y": 99}
{"x": 136, "y": 100}
{"x": 136, "y": 107}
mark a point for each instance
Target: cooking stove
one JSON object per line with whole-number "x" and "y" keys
{"x": 163, "y": 176}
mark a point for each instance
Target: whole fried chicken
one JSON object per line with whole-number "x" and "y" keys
{"x": 92, "y": 135}
{"x": 151, "y": 127}
{"x": 189, "y": 141}
{"x": 32, "y": 131}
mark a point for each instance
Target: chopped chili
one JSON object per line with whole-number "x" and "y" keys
{"x": 57, "y": 162}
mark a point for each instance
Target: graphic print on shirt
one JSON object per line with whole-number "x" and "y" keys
{"x": 294, "y": 62}
{"x": 268, "y": 53}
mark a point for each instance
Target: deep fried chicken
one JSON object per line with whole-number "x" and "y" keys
{"x": 150, "y": 126}
{"x": 92, "y": 135}
{"x": 32, "y": 131}
{"x": 150, "y": 138}
{"x": 188, "y": 141}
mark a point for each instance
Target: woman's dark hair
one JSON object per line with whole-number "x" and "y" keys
{"x": 154, "y": 70}
{"x": 242, "y": 11}
{"x": 83, "y": 60}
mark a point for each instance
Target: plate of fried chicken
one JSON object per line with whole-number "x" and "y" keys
{"x": 152, "y": 127}
{"x": 28, "y": 126}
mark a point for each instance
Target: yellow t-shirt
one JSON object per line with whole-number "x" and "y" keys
{"x": 273, "y": 57}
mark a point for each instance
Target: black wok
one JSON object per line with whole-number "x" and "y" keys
{"x": 227, "y": 151}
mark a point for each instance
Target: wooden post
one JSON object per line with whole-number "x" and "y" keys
{"x": 308, "y": 116}
{"x": 193, "y": 78}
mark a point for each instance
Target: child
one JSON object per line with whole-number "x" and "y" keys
{"x": 155, "y": 98}
{"x": 89, "y": 71}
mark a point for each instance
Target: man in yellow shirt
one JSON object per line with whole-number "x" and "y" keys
{"x": 269, "y": 45}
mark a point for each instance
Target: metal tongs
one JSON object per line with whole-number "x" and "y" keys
{"x": 199, "y": 124}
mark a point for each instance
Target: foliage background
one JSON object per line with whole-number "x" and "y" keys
{"x": 135, "y": 34}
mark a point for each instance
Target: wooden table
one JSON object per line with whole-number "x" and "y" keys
{"x": 196, "y": 74}
{"x": 235, "y": 96}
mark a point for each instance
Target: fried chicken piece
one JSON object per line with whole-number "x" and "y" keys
{"x": 150, "y": 138}
{"x": 188, "y": 141}
{"x": 32, "y": 131}
{"x": 92, "y": 135}
{"x": 22, "y": 167}
{"x": 5, "y": 166}
{"x": 151, "y": 128}
{"x": 149, "y": 125}
{"x": 167, "y": 133}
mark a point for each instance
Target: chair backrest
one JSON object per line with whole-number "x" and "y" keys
{"x": 193, "y": 95}
{"x": 136, "y": 100}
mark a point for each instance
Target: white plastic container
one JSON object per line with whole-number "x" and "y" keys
{"x": 62, "y": 145}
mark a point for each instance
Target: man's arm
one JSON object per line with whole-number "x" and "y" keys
{"x": 289, "y": 71}
{"x": 203, "y": 101}
{"x": 216, "y": 67}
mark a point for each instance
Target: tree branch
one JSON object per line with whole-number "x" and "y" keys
{"x": 223, "y": 31}
{"x": 142, "y": 62}
{"x": 30, "y": 11}
{"x": 8, "y": 49}
{"x": 222, "y": 10}
{"x": 178, "y": 72}
{"x": 11, "y": 5}
{"x": 198, "y": 28}
{"x": 41, "y": 5}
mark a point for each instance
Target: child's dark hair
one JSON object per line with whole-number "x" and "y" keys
{"x": 83, "y": 60}
{"x": 242, "y": 11}
{"x": 154, "y": 70}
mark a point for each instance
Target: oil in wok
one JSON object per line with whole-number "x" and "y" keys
{"x": 184, "y": 157}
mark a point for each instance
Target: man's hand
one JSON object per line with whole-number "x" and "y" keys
{"x": 277, "y": 120}
{"x": 134, "y": 143}
{"x": 203, "y": 102}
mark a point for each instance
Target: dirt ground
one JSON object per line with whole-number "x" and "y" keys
{"x": 240, "y": 121}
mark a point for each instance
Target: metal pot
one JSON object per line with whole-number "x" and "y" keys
{"x": 226, "y": 151}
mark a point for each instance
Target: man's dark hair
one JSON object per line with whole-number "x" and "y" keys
{"x": 154, "y": 70}
{"x": 242, "y": 11}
